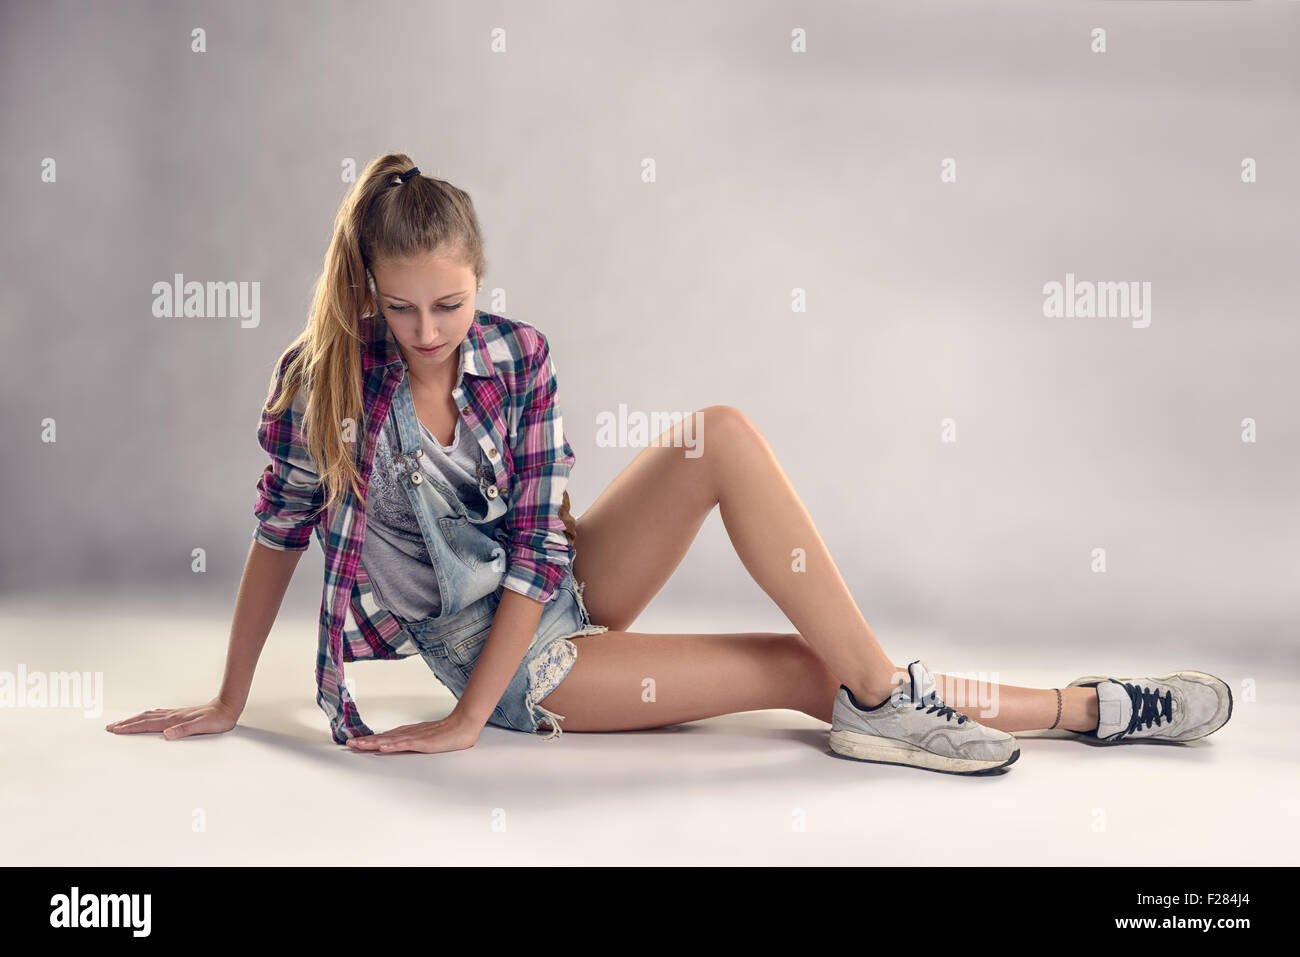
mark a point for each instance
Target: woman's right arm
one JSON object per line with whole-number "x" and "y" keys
{"x": 266, "y": 578}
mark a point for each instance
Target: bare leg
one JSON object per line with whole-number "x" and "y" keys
{"x": 1013, "y": 708}
{"x": 640, "y": 527}
{"x": 626, "y": 681}
{"x": 638, "y": 530}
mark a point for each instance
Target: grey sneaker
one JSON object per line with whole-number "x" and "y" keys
{"x": 913, "y": 727}
{"x": 1179, "y": 706}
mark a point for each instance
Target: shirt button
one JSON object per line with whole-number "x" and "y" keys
{"x": 416, "y": 477}
{"x": 492, "y": 453}
{"x": 465, "y": 410}
{"x": 491, "y": 491}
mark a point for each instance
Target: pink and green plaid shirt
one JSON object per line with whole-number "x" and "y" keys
{"x": 508, "y": 396}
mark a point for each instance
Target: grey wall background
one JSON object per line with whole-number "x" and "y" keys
{"x": 776, "y": 170}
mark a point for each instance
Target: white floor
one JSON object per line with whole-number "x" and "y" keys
{"x": 754, "y": 788}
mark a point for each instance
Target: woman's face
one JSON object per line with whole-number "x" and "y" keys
{"x": 428, "y": 301}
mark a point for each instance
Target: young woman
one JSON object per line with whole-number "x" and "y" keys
{"x": 421, "y": 440}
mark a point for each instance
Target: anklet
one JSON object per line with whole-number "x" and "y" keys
{"x": 1058, "y": 708}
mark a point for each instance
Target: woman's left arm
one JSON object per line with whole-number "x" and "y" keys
{"x": 538, "y": 543}
{"x": 513, "y": 627}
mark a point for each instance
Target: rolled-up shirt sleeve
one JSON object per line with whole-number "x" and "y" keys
{"x": 537, "y": 547}
{"x": 290, "y": 496}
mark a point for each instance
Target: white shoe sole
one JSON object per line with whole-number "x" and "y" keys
{"x": 878, "y": 750}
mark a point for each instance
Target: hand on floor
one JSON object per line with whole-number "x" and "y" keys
{"x": 456, "y": 732}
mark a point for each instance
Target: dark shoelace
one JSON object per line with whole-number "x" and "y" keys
{"x": 942, "y": 709}
{"x": 1148, "y": 706}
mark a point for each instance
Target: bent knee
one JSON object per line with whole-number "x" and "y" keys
{"x": 724, "y": 424}
{"x": 725, "y": 418}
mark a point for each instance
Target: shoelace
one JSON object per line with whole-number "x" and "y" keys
{"x": 1148, "y": 706}
{"x": 942, "y": 710}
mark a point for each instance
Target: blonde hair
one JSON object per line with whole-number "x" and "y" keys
{"x": 375, "y": 224}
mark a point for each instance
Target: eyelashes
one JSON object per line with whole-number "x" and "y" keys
{"x": 443, "y": 308}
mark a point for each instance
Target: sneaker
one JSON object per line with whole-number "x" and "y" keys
{"x": 913, "y": 727}
{"x": 1179, "y": 706}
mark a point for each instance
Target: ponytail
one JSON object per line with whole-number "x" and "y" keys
{"x": 374, "y": 223}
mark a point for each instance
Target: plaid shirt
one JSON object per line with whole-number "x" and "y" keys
{"x": 508, "y": 395}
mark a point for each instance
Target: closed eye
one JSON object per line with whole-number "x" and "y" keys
{"x": 392, "y": 308}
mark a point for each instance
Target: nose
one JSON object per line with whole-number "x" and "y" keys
{"x": 427, "y": 329}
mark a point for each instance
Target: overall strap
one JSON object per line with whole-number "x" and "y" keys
{"x": 406, "y": 421}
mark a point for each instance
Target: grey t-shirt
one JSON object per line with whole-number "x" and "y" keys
{"x": 393, "y": 552}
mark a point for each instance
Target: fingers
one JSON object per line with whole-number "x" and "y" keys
{"x": 147, "y": 721}
{"x": 373, "y": 741}
{"x": 172, "y": 722}
{"x": 394, "y": 740}
{"x": 422, "y": 736}
{"x": 135, "y": 717}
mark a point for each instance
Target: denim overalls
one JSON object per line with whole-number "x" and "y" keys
{"x": 466, "y": 546}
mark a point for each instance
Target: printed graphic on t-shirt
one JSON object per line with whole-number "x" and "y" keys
{"x": 390, "y": 503}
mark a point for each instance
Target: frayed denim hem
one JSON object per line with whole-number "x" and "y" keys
{"x": 546, "y": 672}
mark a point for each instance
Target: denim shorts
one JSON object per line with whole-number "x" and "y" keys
{"x": 452, "y": 654}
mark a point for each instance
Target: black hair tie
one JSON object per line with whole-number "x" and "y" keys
{"x": 413, "y": 171}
